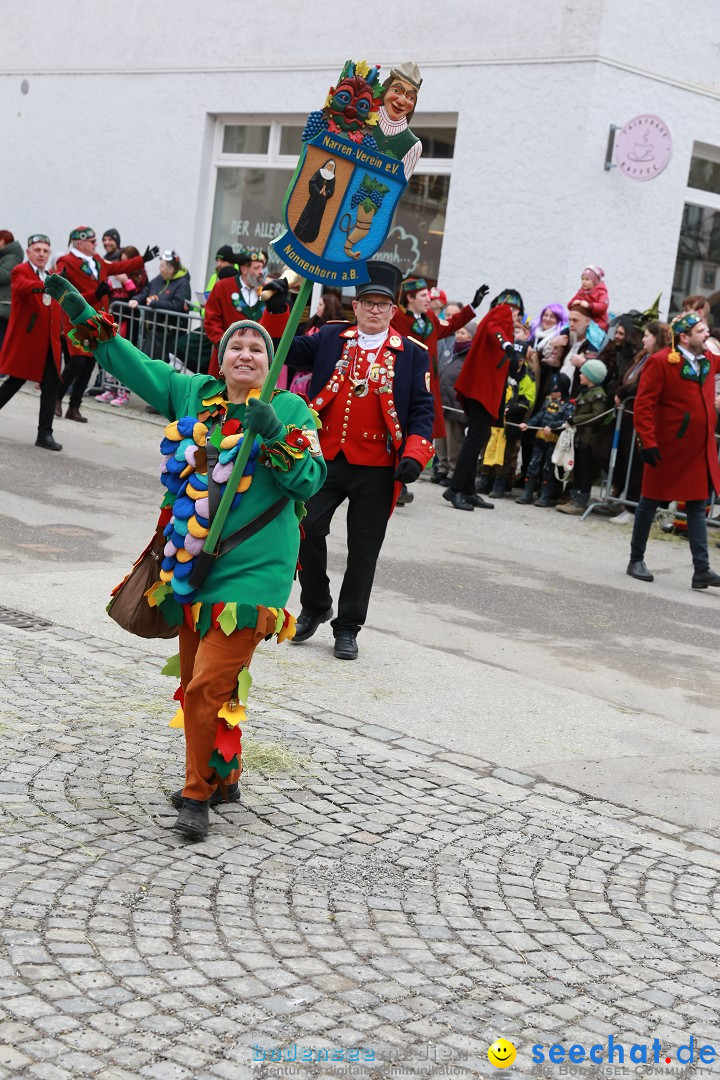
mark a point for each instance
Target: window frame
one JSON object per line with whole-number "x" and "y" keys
{"x": 273, "y": 159}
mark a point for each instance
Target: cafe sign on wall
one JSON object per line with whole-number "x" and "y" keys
{"x": 643, "y": 147}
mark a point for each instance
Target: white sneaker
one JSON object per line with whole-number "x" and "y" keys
{"x": 121, "y": 399}
{"x": 107, "y": 396}
{"x": 623, "y": 518}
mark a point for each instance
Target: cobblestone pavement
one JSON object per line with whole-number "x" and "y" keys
{"x": 391, "y": 901}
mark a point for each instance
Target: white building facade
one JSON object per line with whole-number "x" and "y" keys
{"x": 180, "y": 125}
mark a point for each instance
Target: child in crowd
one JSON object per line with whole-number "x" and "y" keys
{"x": 593, "y": 295}
{"x": 455, "y": 418}
{"x": 555, "y": 411}
{"x": 498, "y": 468}
{"x": 591, "y": 402}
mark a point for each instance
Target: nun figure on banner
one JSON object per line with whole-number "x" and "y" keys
{"x": 321, "y": 187}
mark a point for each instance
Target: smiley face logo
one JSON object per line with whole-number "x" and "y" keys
{"x": 501, "y": 1054}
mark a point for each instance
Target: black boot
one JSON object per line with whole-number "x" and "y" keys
{"x": 527, "y": 496}
{"x": 457, "y": 499}
{"x": 194, "y": 819}
{"x": 345, "y": 645}
{"x": 546, "y": 499}
{"x": 233, "y": 795}
{"x": 499, "y": 488}
{"x": 46, "y": 441}
{"x": 307, "y": 623}
{"x": 484, "y": 483}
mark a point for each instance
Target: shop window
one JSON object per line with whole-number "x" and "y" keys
{"x": 249, "y": 194}
{"x": 414, "y": 242}
{"x": 704, "y": 175}
{"x": 697, "y": 270}
{"x": 291, "y": 140}
{"x": 245, "y": 139}
{"x": 247, "y": 210}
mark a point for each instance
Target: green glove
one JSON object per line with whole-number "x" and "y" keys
{"x": 261, "y": 419}
{"x": 73, "y": 304}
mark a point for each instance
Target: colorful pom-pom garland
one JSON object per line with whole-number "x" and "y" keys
{"x": 184, "y": 474}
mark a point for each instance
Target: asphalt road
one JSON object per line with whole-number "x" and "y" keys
{"x": 512, "y": 635}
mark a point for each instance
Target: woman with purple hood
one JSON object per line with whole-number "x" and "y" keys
{"x": 550, "y": 323}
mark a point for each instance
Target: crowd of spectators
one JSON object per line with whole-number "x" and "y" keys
{"x": 572, "y": 363}
{"x": 577, "y": 365}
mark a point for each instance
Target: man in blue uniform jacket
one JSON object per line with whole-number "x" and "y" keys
{"x": 370, "y": 387}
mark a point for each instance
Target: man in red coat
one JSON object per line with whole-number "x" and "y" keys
{"x": 415, "y": 319}
{"x": 89, "y": 274}
{"x": 480, "y": 386}
{"x": 31, "y": 349}
{"x": 675, "y": 424}
{"x": 236, "y": 297}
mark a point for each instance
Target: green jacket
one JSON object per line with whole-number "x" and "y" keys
{"x": 260, "y": 571}
{"x": 590, "y": 402}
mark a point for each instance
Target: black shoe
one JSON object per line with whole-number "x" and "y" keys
{"x": 194, "y": 819}
{"x": 701, "y": 579}
{"x": 640, "y": 571}
{"x": 345, "y": 646}
{"x": 444, "y": 481}
{"x": 307, "y": 624}
{"x": 483, "y": 485}
{"x": 404, "y": 498}
{"x": 477, "y": 500}
{"x": 438, "y": 477}
{"x": 498, "y": 489}
{"x": 233, "y": 795}
{"x": 47, "y": 443}
{"x": 457, "y": 499}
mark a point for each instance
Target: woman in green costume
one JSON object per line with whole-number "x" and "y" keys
{"x": 243, "y": 597}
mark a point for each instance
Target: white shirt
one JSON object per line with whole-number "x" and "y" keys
{"x": 89, "y": 259}
{"x": 250, "y": 296}
{"x": 42, "y": 274}
{"x": 371, "y": 342}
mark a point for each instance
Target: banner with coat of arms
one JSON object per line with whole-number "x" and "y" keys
{"x": 350, "y": 175}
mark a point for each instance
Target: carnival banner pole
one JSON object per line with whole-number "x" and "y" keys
{"x": 205, "y": 558}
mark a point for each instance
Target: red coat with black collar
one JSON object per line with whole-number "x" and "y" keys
{"x": 403, "y": 323}
{"x": 675, "y": 411}
{"x": 34, "y": 327}
{"x": 220, "y": 313}
{"x": 78, "y": 273}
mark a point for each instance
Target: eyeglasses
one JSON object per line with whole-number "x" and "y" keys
{"x": 383, "y": 306}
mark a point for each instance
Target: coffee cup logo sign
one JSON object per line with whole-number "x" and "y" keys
{"x": 643, "y": 147}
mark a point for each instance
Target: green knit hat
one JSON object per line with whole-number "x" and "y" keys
{"x": 246, "y": 324}
{"x": 84, "y": 232}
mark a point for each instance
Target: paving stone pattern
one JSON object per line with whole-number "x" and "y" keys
{"x": 393, "y": 900}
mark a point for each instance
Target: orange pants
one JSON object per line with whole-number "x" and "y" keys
{"x": 209, "y": 669}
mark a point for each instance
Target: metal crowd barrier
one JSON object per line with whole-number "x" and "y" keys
{"x": 176, "y": 337}
{"x": 621, "y": 501}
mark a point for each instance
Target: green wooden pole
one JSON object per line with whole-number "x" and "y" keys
{"x": 204, "y": 560}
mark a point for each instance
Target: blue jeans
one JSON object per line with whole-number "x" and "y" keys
{"x": 696, "y": 527}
